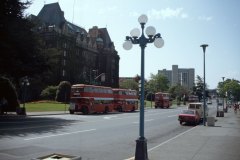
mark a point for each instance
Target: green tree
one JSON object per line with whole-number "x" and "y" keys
{"x": 178, "y": 91}
{"x": 199, "y": 87}
{"x": 8, "y": 95}
{"x": 157, "y": 83}
{"x": 129, "y": 84}
{"x": 63, "y": 92}
{"x": 51, "y": 76}
{"x": 230, "y": 88}
{"x": 20, "y": 51}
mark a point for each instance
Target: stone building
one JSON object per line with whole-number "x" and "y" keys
{"x": 81, "y": 56}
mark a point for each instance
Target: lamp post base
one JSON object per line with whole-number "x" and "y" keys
{"x": 141, "y": 149}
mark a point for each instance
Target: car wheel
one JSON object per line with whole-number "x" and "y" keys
{"x": 195, "y": 123}
{"x": 198, "y": 122}
{"x": 180, "y": 122}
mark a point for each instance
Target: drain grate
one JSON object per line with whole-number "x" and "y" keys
{"x": 56, "y": 156}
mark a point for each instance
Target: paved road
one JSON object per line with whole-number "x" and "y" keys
{"x": 93, "y": 137}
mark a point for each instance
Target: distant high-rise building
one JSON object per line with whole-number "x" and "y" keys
{"x": 183, "y": 76}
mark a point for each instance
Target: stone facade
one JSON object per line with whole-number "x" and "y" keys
{"x": 81, "y": 56}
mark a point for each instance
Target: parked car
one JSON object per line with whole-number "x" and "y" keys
{"x": 198, "y": 106}
{"x": 189, "y": 116}
{"x": 209, "y": 101}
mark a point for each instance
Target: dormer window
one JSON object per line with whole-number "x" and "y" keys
{"x": 99, "y": 42}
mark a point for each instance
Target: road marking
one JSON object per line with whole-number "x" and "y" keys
{"x": 151, "y": 149}
{"x": 109, "y": 117}
{"x": 171, "y": 139}
{"x": 148, "y": 120}
{"x": 172, "y": 116}
{"x": 27, "y": 139}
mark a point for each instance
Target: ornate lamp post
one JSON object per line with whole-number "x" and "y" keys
{"x": 204, "y": 46}
{"x": 135, "y": 38}
{"x": 24, "y": 83}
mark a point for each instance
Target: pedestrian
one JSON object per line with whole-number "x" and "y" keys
{"x": 236, "y": 107}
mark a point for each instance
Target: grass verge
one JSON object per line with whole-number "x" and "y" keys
{"x": 44, "y": 106}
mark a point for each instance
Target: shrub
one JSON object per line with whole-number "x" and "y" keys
{"x": 63, "y": 92}
{"x": 49, "y": 93}
{"x": 8, "y": 94}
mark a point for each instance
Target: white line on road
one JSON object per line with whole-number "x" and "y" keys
{"x": 171, "y": 139}
{"x": 109, "y": 117}
{"x": 148, "y": 120}
{"x": 149, "y": 150}
{"x": 27, "y": 139}
{"x": 172, "y": 116}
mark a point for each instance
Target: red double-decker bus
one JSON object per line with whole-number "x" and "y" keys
{"x": 193, "y": 98}
{"x": 91, "y": 99}
{"x": 162, "y": 100}
{"x": 125, "y": 99}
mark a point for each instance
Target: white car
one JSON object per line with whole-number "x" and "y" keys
{"x": 209, "y": 101}
{"x": 199, "y": 107}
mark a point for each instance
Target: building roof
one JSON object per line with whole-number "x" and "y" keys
{"x": 51, "y": 14}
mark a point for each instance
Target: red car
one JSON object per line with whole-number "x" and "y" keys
{"x": 189, "y": 116}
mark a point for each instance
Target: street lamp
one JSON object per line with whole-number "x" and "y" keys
{"x": 102, "y": 77}
{"x": 95, "y": 71}
{"x": 135, "y": 38}
{"x": 204, "y": 46}
{"x": 223, "y": 92}
{"x": 24, "y": 83}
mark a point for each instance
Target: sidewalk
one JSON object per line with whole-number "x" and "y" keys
{"x": 221, "y": 142}
{"x": 47, "y": 113}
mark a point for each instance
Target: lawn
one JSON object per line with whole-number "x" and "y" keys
{"x": 45, "y": 106}
{"x": 148, "y": 104}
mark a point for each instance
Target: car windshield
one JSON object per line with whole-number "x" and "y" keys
{"x": 188, "y": 112}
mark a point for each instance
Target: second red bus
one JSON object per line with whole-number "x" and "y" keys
{"x": 162, "y": 100}
{"x": 125, "y": 99}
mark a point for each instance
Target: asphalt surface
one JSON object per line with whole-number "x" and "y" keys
{"x": 219, "y": 142}
{"x": 92, "y": 137}
{"x": 100, "y": 136}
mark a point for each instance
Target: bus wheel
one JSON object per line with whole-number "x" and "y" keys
{"x": 120, "y": 109}
{"x": 106, "y": 110}
{"x": 133, "y": 109}
{"x": 1, "y": 112}
{"x": 71, "y": 111}
{"x": 85, "y": 110}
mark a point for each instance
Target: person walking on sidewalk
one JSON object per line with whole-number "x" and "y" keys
{"x": 236, "y": 107}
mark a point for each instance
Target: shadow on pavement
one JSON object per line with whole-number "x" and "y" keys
{"x": 23, "y": 125}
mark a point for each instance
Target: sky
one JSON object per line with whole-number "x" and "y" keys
{"x": 183, "y": 24}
